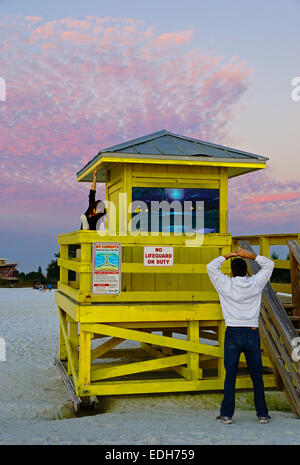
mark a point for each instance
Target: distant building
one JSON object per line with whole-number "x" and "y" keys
{"x": 8, "y": 270}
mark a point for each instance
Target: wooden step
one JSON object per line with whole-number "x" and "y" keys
{"x": 294, "y": 317}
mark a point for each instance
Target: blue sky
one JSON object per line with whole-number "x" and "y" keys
{"x": 251, "y": 47}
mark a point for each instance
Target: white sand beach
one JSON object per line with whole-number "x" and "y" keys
{"x": 35, "y": 409}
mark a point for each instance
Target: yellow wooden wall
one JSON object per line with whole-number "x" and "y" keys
{"x": 122, "y": 177}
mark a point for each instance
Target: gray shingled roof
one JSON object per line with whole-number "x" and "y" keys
{"x": 170, "y": 144}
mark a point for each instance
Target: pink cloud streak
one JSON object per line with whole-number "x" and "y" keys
{"x": 271, "y": 198}
{"x": 259, "y": 204}
{"x": 76, "y": 86}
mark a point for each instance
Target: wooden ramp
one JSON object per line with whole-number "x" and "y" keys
{"x": 278, "y": 330}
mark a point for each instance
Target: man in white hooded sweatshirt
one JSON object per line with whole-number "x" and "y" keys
{"x": 240, "y": 299}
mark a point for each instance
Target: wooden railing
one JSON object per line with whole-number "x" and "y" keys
{"x": 279, "y": 335}
{"x": 265, "y": 242}
{"x": 294, "y": 249}
{"x": 186, "y": 280}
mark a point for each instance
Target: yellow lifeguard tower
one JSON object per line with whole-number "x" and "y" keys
{"x": 142, "y": 315}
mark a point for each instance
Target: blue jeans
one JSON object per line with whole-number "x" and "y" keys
{"x": 247, "y": 340}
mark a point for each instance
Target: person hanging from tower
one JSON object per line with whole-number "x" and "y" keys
{"x": 95, "y": 215}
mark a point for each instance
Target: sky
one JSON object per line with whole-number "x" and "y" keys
{"x": 82, "y": 76}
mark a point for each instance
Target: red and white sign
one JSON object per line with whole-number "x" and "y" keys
{"x": 158, "y": 256}
{"x": 106, "y": 268}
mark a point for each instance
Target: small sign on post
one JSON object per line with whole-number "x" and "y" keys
{"x": 158, "y": 256}
{"x": 106, "y": 268}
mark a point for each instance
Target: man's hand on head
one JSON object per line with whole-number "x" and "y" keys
{"x": 230, "y": 255}
{"x": 243, "y": 253}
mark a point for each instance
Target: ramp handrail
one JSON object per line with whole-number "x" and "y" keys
{"x": 294, "y": 249}
{"x": 278, "y": 334}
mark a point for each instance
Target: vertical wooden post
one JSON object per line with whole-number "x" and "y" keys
{"x": 64, "y": 253}
{"x": 74, "y": 340}
{"x": 125, "y": 200}
{"x": 193, "y": 336}
{"x": 78, "y": 255}
{"x": 264, "y": 246}
{"x": 84, "y": 375}
{"x": 85, "y": 279}
{"x": 62, "y": 349}
{"x": 221, "y": 339}
{"x": 295, "y": 286}
{"x": 223, "y": 195}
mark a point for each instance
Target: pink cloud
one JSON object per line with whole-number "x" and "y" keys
{"x": 108, "y": 80}
{"x": 33, "y": 19}
{"x": 76, "y": 24}
{"x": 44, "y": 31}
{"x": 271, "y": 198}
{"x": 172, "y": 38}
{"x": 77, "y": 38}
{"x": 258, "y": 203}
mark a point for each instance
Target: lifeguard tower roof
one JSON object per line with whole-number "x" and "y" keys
{"x": 165, "y": 145}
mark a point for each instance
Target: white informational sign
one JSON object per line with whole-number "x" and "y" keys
{"x": 106, "y": 268}
{"x": 158, "y": 256}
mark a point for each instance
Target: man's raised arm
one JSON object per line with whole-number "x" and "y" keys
{"x": 215, "y": 274}
{"x": 263, "y": 275}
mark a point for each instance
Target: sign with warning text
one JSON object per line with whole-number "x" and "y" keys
{"x": 158, "y": 256}
{"x": 106, "y": 268}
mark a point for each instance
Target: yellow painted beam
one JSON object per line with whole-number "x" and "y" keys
{"x": 88, "y": 237}
{"x": 153, "y": 339}
{"x": 180, "y": 268}
{"x": 181, "y": 370}
{"x": 143, "y": 313}
{"x": 146, "y": 296}
{"x": 84, "y": 375}
{"x": 106, "y": 347}
{"x": 186, "y": 183}
{"x": 68, "y": 305}
{"x": 138, "y": 367}
{"x": 69, "y": 291}
{"x": 62, "y": 348}
{"x": 64, "y": 253}
{"x": 85, "y": 279}
{"x": 104, "y": 160}
{"x": 274, "y": 239}
{"x": 86, "y": 296}
{"x": 74, "y": 342}
{"x": 223, "y": 202}
{"x": 75, "y": 265}
{"x": 193, "y": 361}
{"x": 71, "y": 361}
{"x": 162, "y": 385}
{"x": 175, "y": 326}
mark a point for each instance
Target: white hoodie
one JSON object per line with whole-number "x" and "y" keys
{"x": 240, "y": 297}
